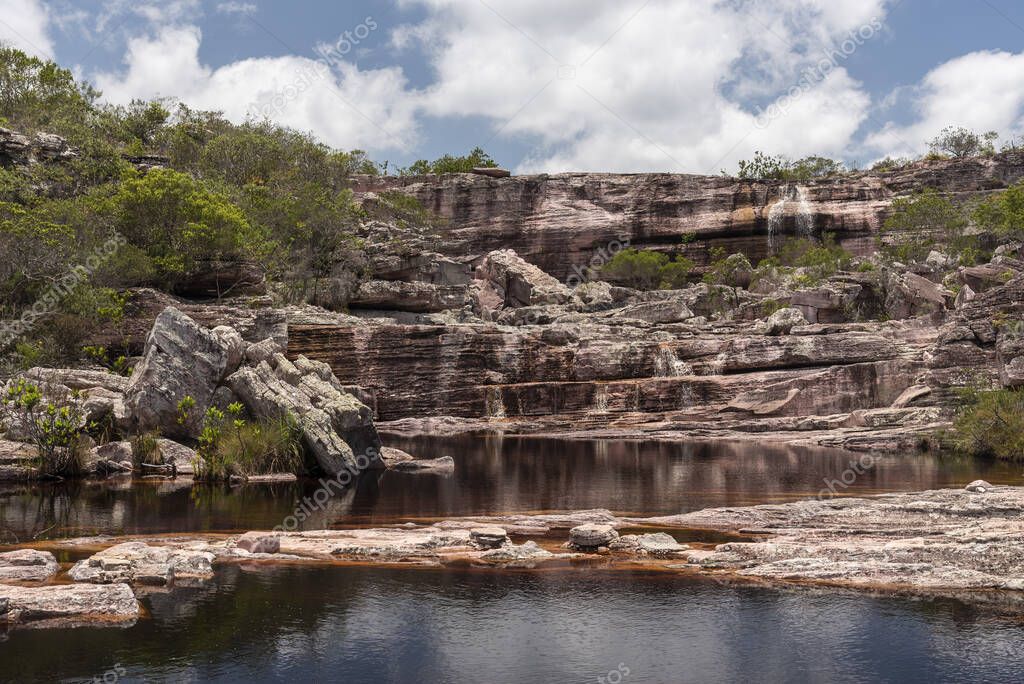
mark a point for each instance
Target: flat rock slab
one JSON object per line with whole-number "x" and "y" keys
{"x": 27, "y": 565}
{"x": 444, "y": 464}
{"x": 939, "y": 540}
{"x": 141, "y": 564}
{"x": 68, "y": 605}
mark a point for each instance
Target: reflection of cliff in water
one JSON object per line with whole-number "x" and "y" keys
{"x": 492, "y": 475}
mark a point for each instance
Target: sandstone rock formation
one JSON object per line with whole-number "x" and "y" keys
{"x": 27, "y": 565}
{"x": 68, "y": 605}
{"x": 558, "y": 221}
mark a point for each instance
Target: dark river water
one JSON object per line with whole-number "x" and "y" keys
{"x": 567, "y": 624}
{"x": 357, "y": 624}
{"x": 495, "y": 475}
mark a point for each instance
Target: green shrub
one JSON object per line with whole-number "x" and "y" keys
{"x": 647, "y": 270}
{"x": 1002, "y": 213}
{"x": 733, "y": 270}
{"x": 991, "y": 423}
{"x": 476, "y": 158}
{"x": 915, "y": 221}
{"x": 146, "y": 449}
{"x": 820, "y": 260}
{"x": 890, "y": 164}
{"x": 676, "y": 273}
{"x": 778, "y": 167}
{"x": 52, "y": 425}
{"x": 230, "y": 445}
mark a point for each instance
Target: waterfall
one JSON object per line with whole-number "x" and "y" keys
{"x": 601, "y": 399}
{"x": 804, "y": 217}
{"x": 495, "y": 403}
{"x": 666, "y": 365}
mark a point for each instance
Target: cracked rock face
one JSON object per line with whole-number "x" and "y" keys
{"x": 935, "y": 540}
{"x": 68, "y": 605}
{"x": 27, "y": 565}
{"x": 182, "y": 359}
{"x": 142, "y": 564}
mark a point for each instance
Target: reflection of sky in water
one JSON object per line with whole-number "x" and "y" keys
{"x": 376, "y": 624}
{"x": 495, "y": 475}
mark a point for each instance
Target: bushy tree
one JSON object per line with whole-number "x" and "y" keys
{"x": 647, "y": 270}
{"x": 778, "y": 167}
{"x": 813, "y": 167}
{"x": 762, "y": 167}
{"x": 476, "y": 158}
{"x": 176, "y": 220}
{"x": 38, "y": 94}
{"x": 959, "y": 142}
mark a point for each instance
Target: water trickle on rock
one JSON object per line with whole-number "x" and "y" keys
{"x": 804, "y": 217}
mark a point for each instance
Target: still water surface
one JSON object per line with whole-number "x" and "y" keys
{"x": 495, "y": 475}
{"x": 355, "y": 624}
{"x": 570, "y": 624}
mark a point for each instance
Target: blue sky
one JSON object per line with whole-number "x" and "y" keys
{"x": 623, "y": 85}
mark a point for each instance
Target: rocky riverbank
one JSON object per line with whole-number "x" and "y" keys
{"x": 963, "y": 543}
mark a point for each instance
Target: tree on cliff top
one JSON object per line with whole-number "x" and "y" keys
{"x": 476, "y": 158}
{"x": 960, "y": 142}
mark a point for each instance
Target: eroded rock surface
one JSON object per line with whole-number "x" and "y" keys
{"x": 27, "y": 565}
{"x": 68, "y": 605}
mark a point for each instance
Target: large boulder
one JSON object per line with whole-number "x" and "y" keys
{"x": 336, "y": 427}
{"x": 509, "y": 281}
{"x": 784, "y": 320}
{"x": 181, "y": 359}
{"x": 910, "y": 295}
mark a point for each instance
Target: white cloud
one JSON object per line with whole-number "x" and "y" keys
{"x": 346, "y": 107}
{"x": 981, "y": 90}
{"x": 234, "y": 7}
{"x": 643, "y": 86}
{"x": 24, "y": 24}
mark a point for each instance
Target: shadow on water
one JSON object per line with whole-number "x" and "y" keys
{"x": 492, "y": 475}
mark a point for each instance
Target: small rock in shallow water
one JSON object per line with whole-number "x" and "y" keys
{"x": 445, "y": 464}
{"x": 488, "y": 537}
{"x": 259, "y": 542}
{"x": 27, "y": 565}
{"x": 512, "y": 553}
{"x": 656, "y": 544}
{"x": 139, "y": 563}
{"x": 592, "y": 536}
{"x": 68, "y": 604}
{"x": 978, "y": 487}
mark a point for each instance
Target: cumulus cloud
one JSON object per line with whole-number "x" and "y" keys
{"x": 342, "y": 104}
{"x": 24, "y": 24}
{"x": 980, "y": 90}
{"x": 640, "y": 86}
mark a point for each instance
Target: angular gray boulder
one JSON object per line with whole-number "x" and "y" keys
{"x": 336, "y": 427}
{"x": 181, "y": 359}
